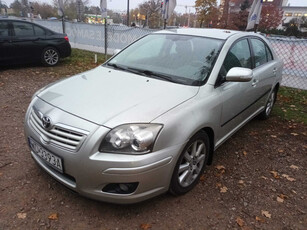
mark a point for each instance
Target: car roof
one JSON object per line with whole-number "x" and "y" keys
{"x": 204, "y": 32}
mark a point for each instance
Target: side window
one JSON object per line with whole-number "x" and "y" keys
{"x": 4, "y": 29}
{"x": 23, "y": 29}
{"x": 238, "y": 56}
{"x": 269, "y": 53}
{"x": 259, "y": 51}
{"x": 39, "y": 31}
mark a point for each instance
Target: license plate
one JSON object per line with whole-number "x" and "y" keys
{"x": 51, "y": 159}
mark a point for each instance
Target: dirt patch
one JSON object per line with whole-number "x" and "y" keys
{"x": 257, "y": 180}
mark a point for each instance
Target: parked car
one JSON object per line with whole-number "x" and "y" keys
{"x": 149, "y": 119}
{"x": 25, "y": 42}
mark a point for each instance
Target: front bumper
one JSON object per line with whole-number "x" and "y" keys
{"x": 87, "y": 171}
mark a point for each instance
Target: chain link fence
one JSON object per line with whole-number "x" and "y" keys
{"x": 293, "y": 52}
{"x": 91, "y": 37}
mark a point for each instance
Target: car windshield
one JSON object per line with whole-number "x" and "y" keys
{"x": 177, "y": 58}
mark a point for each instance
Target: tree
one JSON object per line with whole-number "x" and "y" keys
{"x": 21, "y": 8}
{"x": 205, "y": 10}
{"x": 152, "y": 11}
{"x": 44, "y": 9}
{"x": 271, "y": 17}
{"x": 70, "y": 8}
{"x": 292, "y": 28}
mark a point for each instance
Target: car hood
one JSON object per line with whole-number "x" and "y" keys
{"x": 111, "y": 97}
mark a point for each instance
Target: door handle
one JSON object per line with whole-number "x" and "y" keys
{"x": 254, "y": 83}
{"x": 274, "y": 70}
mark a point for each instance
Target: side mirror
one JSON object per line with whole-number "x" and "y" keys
{"x": 116, "y": 51}
{"x": 239, "y": 74}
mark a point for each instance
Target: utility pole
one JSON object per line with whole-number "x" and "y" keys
{"x": 127, "y": 12}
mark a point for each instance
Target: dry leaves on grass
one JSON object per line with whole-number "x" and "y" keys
{"x": 220, "y": 167}
{"x": 280, "y": 200}
{"x": 240, "y": 222}
{"x": 259, "y": 219}
{"x": 294, "y": 134}
{"x": 294, "y": 167}
{"x": 145, "y": 226}
{"x": 266, "y": 214}
{"x": 244, "y": 153}
{"x": 275, "y": 174}
{"x": 202, "y": 178}
{"x": 223, "y": 189}
{"x": 21, "y": 215}
{"x": 53, "y": 216}
{"x": 288, "y": 177}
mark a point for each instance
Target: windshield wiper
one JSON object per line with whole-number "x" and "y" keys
{"x": 117, "y": 66}
{"x": 155, "y": 74}
{"x": 125, "y": 68}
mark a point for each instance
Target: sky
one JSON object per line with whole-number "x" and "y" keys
{"x": 122, "y": 4}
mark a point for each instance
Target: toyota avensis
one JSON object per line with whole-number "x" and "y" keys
{"x": 149, "y": 119}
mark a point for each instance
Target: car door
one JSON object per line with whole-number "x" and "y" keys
{"x": 5, "y": 42}
{"x": 24, "y": 41}
{"x": 265, "y": 68}
{"x": 238, "y": 98}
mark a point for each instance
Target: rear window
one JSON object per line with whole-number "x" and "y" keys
{"x": 23, "y": 29}
{"x": 39, "y": 31}
{"x": 4, "y": 29}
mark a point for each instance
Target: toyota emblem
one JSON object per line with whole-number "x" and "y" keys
{"x": 46, "y": 122}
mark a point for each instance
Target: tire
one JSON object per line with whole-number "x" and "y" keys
{"x": 188, "y": 170}
{"x": 50, "y": 56}
{"x": 265, "y": 114}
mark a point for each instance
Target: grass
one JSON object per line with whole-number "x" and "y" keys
{"x": 291, "y": 105}
{"x": 84, "y": 60}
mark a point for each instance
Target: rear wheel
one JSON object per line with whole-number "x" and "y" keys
{"x": 269, "y": 106}
{"x": 50, "y": 56}
{"x": 190, "y": 164}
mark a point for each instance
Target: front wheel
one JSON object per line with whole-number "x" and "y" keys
{"x": 190, "y": 164}
{"x": 50, "y": 56}
{"x": 269, "y": 105}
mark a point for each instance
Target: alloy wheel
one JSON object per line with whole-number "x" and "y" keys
{"x": 51, "y": 56}
{"x": 192, "y": 163}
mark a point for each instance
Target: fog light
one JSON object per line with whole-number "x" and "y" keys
{"x": 121, "y": 188}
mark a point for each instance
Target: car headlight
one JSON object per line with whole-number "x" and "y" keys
{"x": 131, "y": 139}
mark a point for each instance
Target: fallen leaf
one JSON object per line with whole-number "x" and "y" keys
{"x": 240, "y": 222}
{"x": 259, "y": 219}
{"x": 266, "y": 214}
{"x": 202, "y": 178}
{"x": 294, "y": 167}
{"x": 241, "y": 182}
{"x": 282, "y": 196}
{"x": 218, "y": 185}
{"x": 280, "y": 200}
{"x": 275, "y": 174}
{"x": 223, "y": 189}
{"x": 288, "y": 177}
{"x": 21, "y": 215}
{"x": 280, "y": 150}
{"x": 53, "y": 216}
{"x": 263, "y": 177}
{"x": 145, "y": 226}
{"x": 294, "y": 134}
{"x": 274, "y": 136}
{"x": 244, "y": 153}
{"x": 220, "y": 167}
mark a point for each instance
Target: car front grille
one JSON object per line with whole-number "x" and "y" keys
{"x": 60, "y": 135}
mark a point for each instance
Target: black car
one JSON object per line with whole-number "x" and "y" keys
{"x": 23, "y": 42}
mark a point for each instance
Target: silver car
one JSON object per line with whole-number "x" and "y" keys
{"x": 149, "y": 119}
